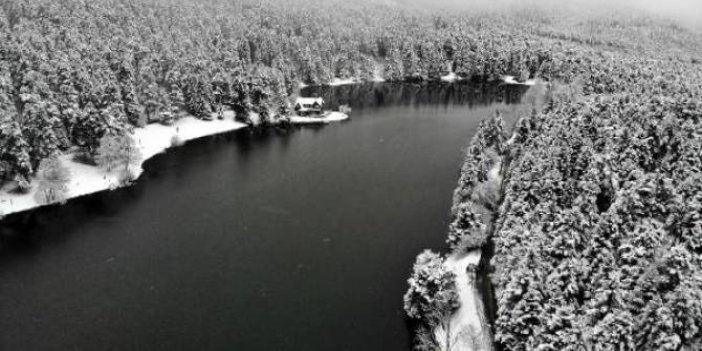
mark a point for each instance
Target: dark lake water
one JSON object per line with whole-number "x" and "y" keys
{"x": 256, "y": 240}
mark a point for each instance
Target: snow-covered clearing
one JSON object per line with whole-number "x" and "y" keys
{"x": 348, "y": 81}
{"x": 330, "y": 117}
{"x": 467, "y": 324}
{"x": 339, "y": 81}
{"x": 151, "y": 140}
{"x": 512, "y": 80}
{"x": 451, "y": 77}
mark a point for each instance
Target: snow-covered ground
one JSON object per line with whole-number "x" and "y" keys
{"x": 451, "y": 77}
{"x": 151, "y": 140}
{"x": 467, "y": 326}
{"x": 512, "y": 80}
{"x": 331, "y": 117}
{"x": 339, "y": 81}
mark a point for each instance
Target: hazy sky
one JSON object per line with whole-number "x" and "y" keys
{"x": 688, "y": 12}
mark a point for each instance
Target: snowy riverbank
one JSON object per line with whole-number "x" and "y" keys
{"x": 513, "y": 81}
{"x": 151, "y": 140}
{"x": 347, "y": 81}
{"x": 450, "y": 78}
{"x": 330, "y": 117}
{"x": 453, "y": 77}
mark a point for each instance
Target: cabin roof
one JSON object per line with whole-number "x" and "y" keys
{"x": 310, "y": 101}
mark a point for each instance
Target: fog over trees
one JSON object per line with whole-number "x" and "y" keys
{"x": 685, "y": 12}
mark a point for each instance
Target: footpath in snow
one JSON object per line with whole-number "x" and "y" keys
{"x": 468, "y": 327}
{"x": 468, "y": 322}
{"x": 151, "y": 140}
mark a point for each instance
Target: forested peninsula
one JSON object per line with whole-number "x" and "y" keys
{"x": 590, "y": 204}
{"x": 594, "y": 212}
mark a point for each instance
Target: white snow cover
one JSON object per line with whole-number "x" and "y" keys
{"x": 339, "y": 81}
{"x": 512, "y": 80}
{"x": 466, "y": 326}
{"x": 151, "y": 140}
{"x": 330, "y": 117}
{"x": 451, "y": 77}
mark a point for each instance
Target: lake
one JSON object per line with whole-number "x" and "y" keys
{"x": 298, "y": 239}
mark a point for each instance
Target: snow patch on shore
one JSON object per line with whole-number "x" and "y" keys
{"x": 330, "y": 117}
{"x": 378, "y": 79}
{"x": 338, "y": 81}
{"x": 513, "y": 81}
{"x": 151, "y": 140}
{"x": 348, "y": 81}
{"x": 451, "y": 77}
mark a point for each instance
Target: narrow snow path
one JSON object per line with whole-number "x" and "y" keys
{"x": 467, "y": 323}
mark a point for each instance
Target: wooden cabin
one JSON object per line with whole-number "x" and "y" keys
{"x": 307, "y": 106}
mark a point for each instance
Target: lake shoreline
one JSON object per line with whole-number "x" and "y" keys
{"x": 151, "y": 140}
{"x": 477, "y": 200}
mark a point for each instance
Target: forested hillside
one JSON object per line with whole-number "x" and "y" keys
{"x": 598, "y": 235}
{"x": 599, "y": 238}
{"x": 72, "y": 71}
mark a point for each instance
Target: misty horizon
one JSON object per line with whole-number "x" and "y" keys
{"x": 685, "y": 12}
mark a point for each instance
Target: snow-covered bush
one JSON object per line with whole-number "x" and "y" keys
{"x": 176, "y": 140}
{"x": 23, "y": 185}
{"x": 432, "y": 294}
{"x": 53, "y": 178}
{"x": 467, "y": 230}
{"x": 118, "y": 151}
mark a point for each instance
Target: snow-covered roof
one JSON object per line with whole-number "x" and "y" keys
{"x": 309, "y": 101}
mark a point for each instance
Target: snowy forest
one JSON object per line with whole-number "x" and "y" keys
{"x": 596, "y": 225}
{"x": 596, "y": 222}
{"x": 72, "y": 72}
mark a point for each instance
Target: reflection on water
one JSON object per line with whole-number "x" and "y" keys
{"x": 372, "y": 95}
